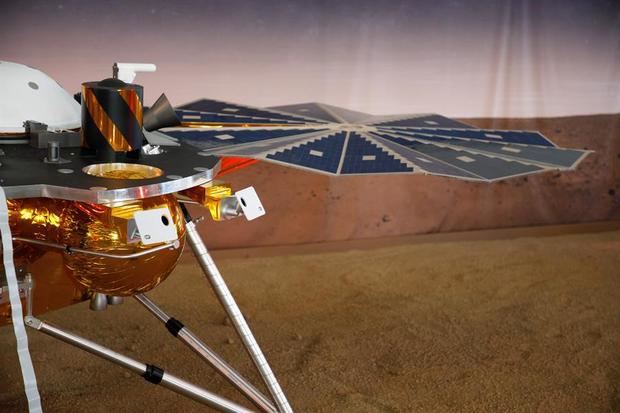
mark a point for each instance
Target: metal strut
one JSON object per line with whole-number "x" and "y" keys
{"x": 177, "y": 329}
{"x": 70, "y": 250}
{"x": 232, "y": 310}
{"x": 151, "y": 373}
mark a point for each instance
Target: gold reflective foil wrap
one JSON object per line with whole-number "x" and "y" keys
{"x": 120, "y": 170}
{"x": 133, "y": 101}
{"x": 96, "y": 228}
{"x": 106, "y": 126}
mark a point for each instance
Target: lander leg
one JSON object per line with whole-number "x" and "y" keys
{"x": 156, "y": 375}
{"x": 151, "y": 373}
{"x": 181, "y": 332}
{"x": 232, "y": 310}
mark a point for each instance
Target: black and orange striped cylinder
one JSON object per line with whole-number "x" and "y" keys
{"x": 112, "y": 120}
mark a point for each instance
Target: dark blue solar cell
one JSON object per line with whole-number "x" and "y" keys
{"x": 562, "y": 158}
{"x": 424, "y": 162}
{"x": 426, "y": 121}
{"x": 214, "y": 106}
{"x": 205, "y": 117}
{"x": 486, "y": 167}
{"x": 363, "y": 156}
{"x": 322, "y": 154}
{"x": 209, "y": 139}
{"x": 487, "y": 135}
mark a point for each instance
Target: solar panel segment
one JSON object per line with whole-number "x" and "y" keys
{"x": 191, "y": 116}
{"x": 217, "y": 138}
{"x": 548, "y": 155}
{"x": 337, "y": 141}
{"x": 484, "y": 166}
{"x": 489, "y": 135}
{"x": 348, "y": 116}
{"x": 428, "y": 164}
{"x": 321, "y": 154}
{"x": 314, "y": 110}
{"x": 216, "y": 106}
{"x": 422, "y": 121}
{"x": 363, "y": 156}
{"x": 266, "y": 147}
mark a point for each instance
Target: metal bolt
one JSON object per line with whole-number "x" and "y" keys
{"x": 53, "y": 152}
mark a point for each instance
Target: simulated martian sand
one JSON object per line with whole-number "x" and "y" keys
{"x": 511, "y": 321}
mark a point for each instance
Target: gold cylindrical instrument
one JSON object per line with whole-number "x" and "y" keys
{"x": 112, "y": 119}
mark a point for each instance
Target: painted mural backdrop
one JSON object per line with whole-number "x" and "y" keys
{"x": 475, "y": 58}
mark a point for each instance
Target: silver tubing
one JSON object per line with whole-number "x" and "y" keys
{"x": 232, "y": 309}
{"x": 70, "y": 250}
{"x": 152, "y": 307}
{"x": 168, "y": 380}
{"x": 214, "y": 360}
{"x": 201, "y": 395}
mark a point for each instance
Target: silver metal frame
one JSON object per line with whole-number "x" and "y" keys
{"x": 71, "y": 250}
{"x": 105, "y": 196}
{"x": 232, "y": 310}
{"x": 192, "y": 341}
{"x": 168, "y": 380}
{"x": 183, "y": 334}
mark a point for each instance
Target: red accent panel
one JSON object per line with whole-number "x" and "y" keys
{"x": 233, "y": 163}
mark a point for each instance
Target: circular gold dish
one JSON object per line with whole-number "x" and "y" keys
{"x": 122, "y": 171}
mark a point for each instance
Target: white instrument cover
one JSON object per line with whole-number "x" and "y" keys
{"x": 29, "y": 94}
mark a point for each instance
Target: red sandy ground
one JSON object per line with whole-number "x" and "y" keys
{"x": 481, "y": 322}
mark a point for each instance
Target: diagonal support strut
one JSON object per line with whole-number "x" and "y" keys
{"x": 151, "y": 373}
{"x": 185, "y": 335}
{"x": 232, "y": 310}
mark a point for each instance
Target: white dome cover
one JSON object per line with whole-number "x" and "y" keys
{"x": 29, "y": 94}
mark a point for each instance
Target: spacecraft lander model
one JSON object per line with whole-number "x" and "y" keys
{"x": 92, "y": 196}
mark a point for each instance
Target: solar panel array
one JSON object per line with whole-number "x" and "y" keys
{"x": 337, "y": 141}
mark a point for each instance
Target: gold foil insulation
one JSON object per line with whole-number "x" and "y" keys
{"x": 116, "y": 170}
{"x": 96, "y": 228}
{"x": 210, "y": 196}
